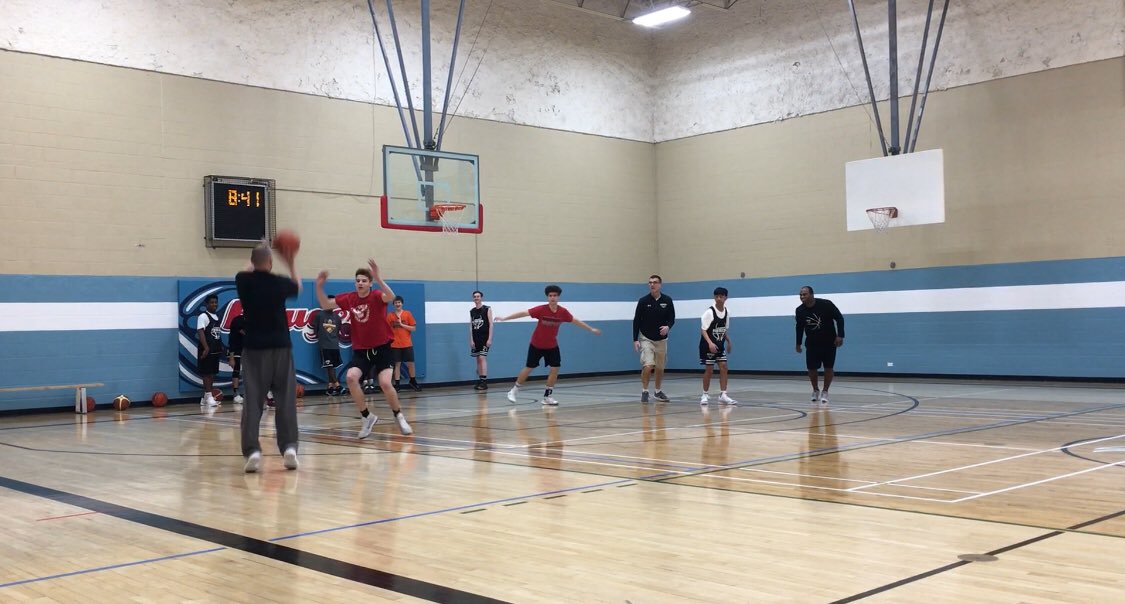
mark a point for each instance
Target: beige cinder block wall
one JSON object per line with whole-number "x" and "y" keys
{"x": 1034, "y": 170}
{"x": 102, "y": 170}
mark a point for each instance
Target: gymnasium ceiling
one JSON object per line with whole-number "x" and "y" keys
{"x": 629, "y": 9}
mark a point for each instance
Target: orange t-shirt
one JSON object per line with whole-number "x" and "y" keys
{"x": 403, "y": 337}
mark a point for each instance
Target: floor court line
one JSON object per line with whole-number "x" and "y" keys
{"x": 1045, "y": 480}
{"x": 981, "y": 464}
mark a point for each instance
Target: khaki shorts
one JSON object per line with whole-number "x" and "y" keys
{"x": 654, "y": 353}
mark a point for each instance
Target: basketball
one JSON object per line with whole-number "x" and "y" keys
{"x": 159, "y": 399}
{"x": 287, "y": 242}
{"x": 90, "y": 404}
{"x": 217, "y": 395}
{"x": 300, "y": 390}
{"x": 121, "y": 402}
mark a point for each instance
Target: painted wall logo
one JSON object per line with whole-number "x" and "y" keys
{"x": 301, "y": 313}
{"x": 301, "y": 318}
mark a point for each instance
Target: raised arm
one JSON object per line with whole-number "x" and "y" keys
{"x": 290, "y": 260}
{"x": 322, "y": 298}
{"x": 388, "y": 293}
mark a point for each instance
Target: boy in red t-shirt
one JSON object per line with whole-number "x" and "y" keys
{"x": 371, "y": 339}
{"x": 545, "y": 341}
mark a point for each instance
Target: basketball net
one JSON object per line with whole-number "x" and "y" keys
{"x": 450, "y": 215}
{"x": 881, "y": 217}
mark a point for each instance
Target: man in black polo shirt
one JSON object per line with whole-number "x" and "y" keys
{"x": 267, "y": 355}
{"x": 823, "y": 326}
{"x": 652, "y": 320}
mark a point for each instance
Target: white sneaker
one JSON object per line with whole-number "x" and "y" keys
{"x": 815, "y": 396}
{"x": 368, "y": 424}
{"x": 209, "y": 401}
{"x": 403, "y": 426}
{"x": 513, "y": 394}
{"x": 703, "y": 400}
{"x": 726, "y": 400}
{"x": 290, "y": 456}
{"x": 824, "y": 399}
{"x": 252, "y": 462}
{"x": 238, "y": 400}
{"x": 550, "y": 401}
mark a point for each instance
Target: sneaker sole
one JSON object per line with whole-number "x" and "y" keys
{"x": 291, "y": 460}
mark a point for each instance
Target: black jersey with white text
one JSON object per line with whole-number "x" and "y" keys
{"x": 716, "y": 327}
{"x": 478, "y": 318}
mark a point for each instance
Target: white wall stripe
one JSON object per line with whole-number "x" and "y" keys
{"x": 1109, "y": 294}
{"x": 87, "y": 316}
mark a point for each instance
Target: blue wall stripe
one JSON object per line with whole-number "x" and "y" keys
{"x": 1056, "y": 342}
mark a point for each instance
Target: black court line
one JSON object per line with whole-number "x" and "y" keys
{"x": 960, "y": 563}
{"x": 329, "y": 566}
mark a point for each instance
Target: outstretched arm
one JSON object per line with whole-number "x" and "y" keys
{"x": 593, "y": 330}
{"x": 512, "y": 317}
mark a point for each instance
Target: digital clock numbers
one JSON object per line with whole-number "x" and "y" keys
{"x": 239, "y": 212}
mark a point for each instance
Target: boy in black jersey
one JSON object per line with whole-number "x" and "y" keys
{"x": 714, "y": 344}
{"x": 480, "y": 337}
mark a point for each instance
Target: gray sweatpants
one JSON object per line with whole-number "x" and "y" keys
{"x": 266, "y": 369}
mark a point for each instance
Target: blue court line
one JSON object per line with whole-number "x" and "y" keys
{"x": 452, "y": 509}
{"x": 110, "y": 567}
{"x": 880, "y": 442}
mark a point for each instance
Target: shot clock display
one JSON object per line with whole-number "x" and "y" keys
{"x": 239, "y": 212}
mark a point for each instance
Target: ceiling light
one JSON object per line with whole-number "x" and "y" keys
{"x": 662, "y": 16}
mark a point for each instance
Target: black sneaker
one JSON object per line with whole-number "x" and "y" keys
{"x": 415, "y": 386}
{"x": 660, "y": 396}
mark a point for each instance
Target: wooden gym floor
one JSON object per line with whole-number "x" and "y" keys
{"x": 894, "y": 494}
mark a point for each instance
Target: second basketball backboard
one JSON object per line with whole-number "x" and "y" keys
{"x": 914, "y": 183}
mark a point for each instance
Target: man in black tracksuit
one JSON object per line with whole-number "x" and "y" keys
{"x": 823, "y": 327}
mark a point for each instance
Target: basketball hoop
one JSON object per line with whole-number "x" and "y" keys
{"x": 881, "y": 217}
{"x": 450, "y": 215}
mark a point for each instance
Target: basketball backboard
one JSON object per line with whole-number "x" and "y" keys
{"x": 431, "y": 191}
{"x": 913, "y": 183}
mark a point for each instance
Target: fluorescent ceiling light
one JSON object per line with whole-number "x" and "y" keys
{"x": 662, "y": 16}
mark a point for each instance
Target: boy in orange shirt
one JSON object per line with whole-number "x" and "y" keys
{"x": 402, "y": 347}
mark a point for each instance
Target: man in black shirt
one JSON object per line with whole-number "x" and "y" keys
{"x": 267, "y": 355}
{"x": 823, "y": 326}
{"x": 652, "y": 320}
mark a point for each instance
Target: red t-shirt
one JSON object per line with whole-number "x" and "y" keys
{"x": 546, "y": 334}
{"x": 369, "y": 325}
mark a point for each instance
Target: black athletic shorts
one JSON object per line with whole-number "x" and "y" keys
{"x": 706, "y": 357}
{"x": 372, "y": 358}
{"x": 479, "y": 349}
{"x": 403, "y": 355}
{"x": 329, "y": 357}
{"x": 551, "y": 357}
{"x": 208, "y": 365}
{"x": 815, "y": 356}
{"x": 235, "y": 359}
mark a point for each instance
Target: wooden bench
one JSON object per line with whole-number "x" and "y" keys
{"x": 79, "y": 392}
